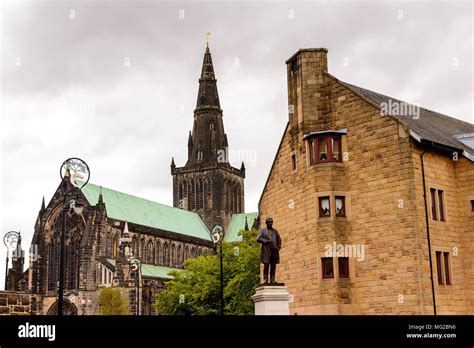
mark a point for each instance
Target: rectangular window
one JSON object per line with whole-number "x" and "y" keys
{"x": 293, "y": 162}
{"x": 434, "y": 215}
{"x": 340, "y": 206}
{"x": 441, "y": 205}
{"x": 447, "y": 274}
{"x": 327, "y": 267}
{"x": 324, "y": 207}
{"x": 325, "y": 148}
{"x": 439, "y": 267}
{"x": 343, "y": 263}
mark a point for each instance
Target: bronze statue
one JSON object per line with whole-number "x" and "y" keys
{"x": 270, "y": 251}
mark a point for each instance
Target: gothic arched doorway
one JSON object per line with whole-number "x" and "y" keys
{"x": 68, "y": 308}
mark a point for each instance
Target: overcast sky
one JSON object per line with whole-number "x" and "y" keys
{"x": 115, "y": 83}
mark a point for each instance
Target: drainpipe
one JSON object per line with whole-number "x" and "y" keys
{"x": 428, "y": 230}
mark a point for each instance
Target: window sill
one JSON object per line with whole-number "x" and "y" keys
{"x": 326, "y": 164}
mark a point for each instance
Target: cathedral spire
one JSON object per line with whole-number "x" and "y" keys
{"x": 43, "y": 206}
{"x": 207, "y": 95}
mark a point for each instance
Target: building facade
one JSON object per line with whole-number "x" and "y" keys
{"x": 346, "y": 193}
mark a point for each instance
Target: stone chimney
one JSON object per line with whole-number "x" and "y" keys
{"x": 308, "y": 96}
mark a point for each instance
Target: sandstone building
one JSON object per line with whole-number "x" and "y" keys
{"x": 206, "y": 191}
{"x": 346, "y": 193}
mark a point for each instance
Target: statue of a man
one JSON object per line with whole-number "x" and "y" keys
{"x": 270, "y": 251}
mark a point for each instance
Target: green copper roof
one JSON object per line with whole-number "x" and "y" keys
{"x": 157, "y": 271}
{"x": 140, "y": 211}
{"x": 152, "y": 270}
{"x": 237, "y": 223}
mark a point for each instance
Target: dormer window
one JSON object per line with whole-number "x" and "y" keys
{"x": 325, "y": 148}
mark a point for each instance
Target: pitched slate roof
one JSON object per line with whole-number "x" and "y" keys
{"x": 237, "y": 223}
{"x": 140, "y": 211}
{"x": 430, "y": 126}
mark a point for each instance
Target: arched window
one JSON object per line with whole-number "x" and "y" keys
{"x": 158, "y": 258}
{"x": 186, "y": 253}
{"x": 115, "y": 247}
{"x": 109, "y": 245}
{"x": 201, "y": 193}
{"x": 211, "y": 125}
{"x": 173, "y": 256}
{"x": 192, "y": 196}
{"x": 180, "y": 257}
{"x": 135, "y": 247}
{"x": 150, "y": 253}
{"x": 185, "y": 188}
{"x": 180, "y": 191}
{"x": 166, "y": 255}
{"x": 72, "y": 265}
{"x": 53, "y": 265}
{"x": 142, "y": 250}
{"x": 193, "y": 252}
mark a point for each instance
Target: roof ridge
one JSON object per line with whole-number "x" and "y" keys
{"x": 144, "y": 199}
{"x": 403, "y": 101}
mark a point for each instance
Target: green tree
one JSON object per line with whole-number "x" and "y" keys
{"x": 196, "y": 289}
{"x": 112, "y": 301}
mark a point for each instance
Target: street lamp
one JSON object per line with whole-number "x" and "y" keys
{"x": 217, "y": 233}
{"x": 10, "y": 239}
{"x": 78, "y": 172}
{"x": 135, "y": 266}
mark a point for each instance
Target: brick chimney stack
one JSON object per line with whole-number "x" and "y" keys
{"x": 308, "y": 97}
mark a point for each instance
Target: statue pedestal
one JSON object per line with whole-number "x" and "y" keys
{"x": 271, "y": 300}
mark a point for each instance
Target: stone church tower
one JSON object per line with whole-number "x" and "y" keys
{"x": 208, "y": 184}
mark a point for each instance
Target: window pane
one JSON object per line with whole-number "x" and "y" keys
{"x": 324, "y": 209}
{"x": 441, "y": 205}
{"x": 343, "y": 263}
{"x": 446, "y": 268}
{"x": 438, "y": 267}
{"x": 340, "y": 209}
{"x": 336, "y": 149}
{"x": 327, "y": 267}
{"x": 434, "y": 215}
{"x": 323, "y": 150}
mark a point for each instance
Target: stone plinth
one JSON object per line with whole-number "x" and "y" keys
{"x": 271, "y": 300}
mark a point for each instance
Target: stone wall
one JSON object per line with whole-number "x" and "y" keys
{"x": 16, "y": 303}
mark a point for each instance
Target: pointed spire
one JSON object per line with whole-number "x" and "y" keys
{"x": 43, "y": 206}
{"x": 190, "y": 139}
{"x": 172, "y": 163}
{"x": 125, "y": 231}
{"x": 101, "y": 199}
{"x": 242, "y": 167}
{"x": 207, "y": 95}
{"x": 246, "y": 224}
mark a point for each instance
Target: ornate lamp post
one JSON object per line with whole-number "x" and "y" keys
{"x": 135, "y": 266}
{"x": 78, "y": 172}
{"x": 10, "y": 239}
{"x": 217, "y": 233}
